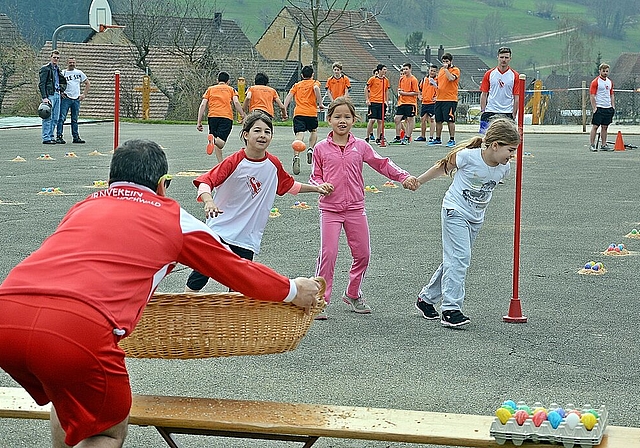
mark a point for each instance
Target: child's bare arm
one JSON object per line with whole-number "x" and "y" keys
{"x": 323, "y": 189}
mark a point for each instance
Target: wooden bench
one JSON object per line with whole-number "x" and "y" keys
{"x": 304, "y": 423}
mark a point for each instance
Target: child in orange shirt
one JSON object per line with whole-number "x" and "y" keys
{"x": 337, "y": 85}
{"x": 306, "y": 94}
{"x": 261, "y": 97}
{"x": 217, "y": 100}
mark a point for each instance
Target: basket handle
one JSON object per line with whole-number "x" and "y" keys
{"x": 323, "y": 287}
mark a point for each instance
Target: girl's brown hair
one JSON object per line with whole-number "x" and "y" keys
{"x": 342, "y": 101}
{"x": 502, "y": 131}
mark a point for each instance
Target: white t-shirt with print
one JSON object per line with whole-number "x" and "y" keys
{"x": 473, "y": 184}
{"x": 74, "y": 78}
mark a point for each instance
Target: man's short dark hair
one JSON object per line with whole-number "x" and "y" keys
{"x": 261, "y": 79}
{"x": 407, "y": 64}
{"x": 447, "y": 56}
{"x": 223, "y": 77}
{"x": 307, "y": 71}
{"x": 504, "y": 50}
{"x": 139, "y": 161}
{"x": 380, "y": 67}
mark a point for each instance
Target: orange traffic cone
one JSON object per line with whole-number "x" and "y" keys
{"x": 619, "y": 146}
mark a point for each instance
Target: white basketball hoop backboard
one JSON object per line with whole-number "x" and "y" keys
{"x": 99, "y": 14}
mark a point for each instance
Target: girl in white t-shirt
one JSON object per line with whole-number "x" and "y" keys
{"x": 238, "y": 193}
{"x": 477, "y": 166}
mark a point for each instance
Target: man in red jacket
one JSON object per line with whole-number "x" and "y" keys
{"x": 65, "y": 307}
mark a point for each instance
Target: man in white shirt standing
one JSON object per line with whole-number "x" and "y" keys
{"x": 603, "y": 105}
{"x": 500, "y": 91}
{"x": 71, "y": 100}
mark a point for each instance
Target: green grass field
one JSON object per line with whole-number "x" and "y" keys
{"x": 453, "y": 22}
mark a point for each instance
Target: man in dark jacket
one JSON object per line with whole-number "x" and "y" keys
{"x": 52, "y": 84}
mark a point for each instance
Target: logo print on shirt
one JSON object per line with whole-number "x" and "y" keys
{"x": 501, "y": 83}
{"x": 254, "y": 186}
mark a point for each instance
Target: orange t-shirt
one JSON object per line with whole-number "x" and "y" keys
{"x": 448, "y": 90}
{"x": 377, "y": 89}
{"x": 338, "y": 86}
{"x": 305, "y": 98}
{"x": 408, "y": 84}
{"x": 220, "y": 98}
{"x": 429, "y": 90}
{"x": 262, "y": 98}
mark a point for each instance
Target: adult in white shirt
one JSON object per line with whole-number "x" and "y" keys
{"x": 71, "y": 100}
{"x": 500, "y": 91}
{"x": 603, "y": 104}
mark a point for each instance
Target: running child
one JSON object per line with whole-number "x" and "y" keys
{"x": 307, "y": 96}
{"x": 338, "y": 161}
{"x": 217, "y": 101}
{"x": 261, "y": 97}
{"x": 246, "y": 184}
{"x": 477, "y": 166}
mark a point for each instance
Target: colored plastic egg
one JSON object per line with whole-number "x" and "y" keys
{"x": 594, "y": 412}
{"x": 612, "y": 246}
{"x": 510, "y": 403}
{"x": 561, "y": 412}
{"x": 503, "y": 415}
{"x": 589, "y": 421}
{"x": 587, "y": 266}
{"x": 539, "y": 417}
{"x": 634, "y": 231}
{"x": 621, "y": 246}
{"x": 521, "y": 416}
{"x": 595, "y": 267}
{"x": 538, "y": 409}
{"x": 508, "y": 408}
{"x": 599, "y": 264}
{"x": 524, "y": 407}
{"x": 617, "y": 249}
{"x": 554, "y": 419}
{"x": 572, "y": 420}
{"x": 575, "y": 411}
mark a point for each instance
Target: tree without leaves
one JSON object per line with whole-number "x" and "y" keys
{"x": 321, "y": 19}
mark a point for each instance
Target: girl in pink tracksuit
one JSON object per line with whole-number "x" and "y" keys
{"x": 338, "y": 160}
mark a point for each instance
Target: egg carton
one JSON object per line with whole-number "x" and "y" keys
{"x": 563, "y": 434}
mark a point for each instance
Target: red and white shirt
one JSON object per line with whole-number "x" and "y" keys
{"x": 602, "y": 89}
{"x": 501, "y": 87}
{"x": 111, "y": 250}
{"x": 245, "y": 190}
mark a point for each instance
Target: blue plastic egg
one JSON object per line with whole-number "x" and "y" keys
{"x": 554, "y": 419}
{"x": 595, "y": 267}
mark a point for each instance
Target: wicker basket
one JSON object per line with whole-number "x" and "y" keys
{"x": 187, "y": 326}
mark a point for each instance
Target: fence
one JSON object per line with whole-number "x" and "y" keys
{"x": 560, "y": 106}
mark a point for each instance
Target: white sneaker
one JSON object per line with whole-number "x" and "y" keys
{"x": 593, "y": 148}
{"x": 357, "y": 305}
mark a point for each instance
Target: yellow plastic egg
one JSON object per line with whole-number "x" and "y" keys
{"x": 503, "y": 415}
{"x": 589, "y": 421}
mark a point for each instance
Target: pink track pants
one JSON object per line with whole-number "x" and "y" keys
{"x": 356, "y": 229}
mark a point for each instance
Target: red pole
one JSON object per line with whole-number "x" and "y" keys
{"x": 515, "y": 308}
{"x": 116, "y": 112}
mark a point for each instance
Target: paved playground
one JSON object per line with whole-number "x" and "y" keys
{"x": 579, "y": 344}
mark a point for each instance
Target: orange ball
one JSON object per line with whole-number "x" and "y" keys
{"x": 298, "y": 146}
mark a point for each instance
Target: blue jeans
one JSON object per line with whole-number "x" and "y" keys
{"x": 65, "y": 105}
{"x": 49, "y": 124}
{"x": 447, "y": 283}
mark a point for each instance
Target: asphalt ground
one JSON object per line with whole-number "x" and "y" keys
{"x": 578, "y": 346}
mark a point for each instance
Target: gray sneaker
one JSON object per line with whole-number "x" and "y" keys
{"x": 296, "y": 164}
{"x": 357, "y": 305}
{"x": 605, "y": 148}
{"x": 593, "y": 148}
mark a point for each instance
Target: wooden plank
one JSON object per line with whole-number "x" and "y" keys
{"x": 264, "y": 417}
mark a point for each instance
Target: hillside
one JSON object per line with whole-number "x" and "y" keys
{"x": 450, "y": 30}
{"x": 537, "y": 43}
